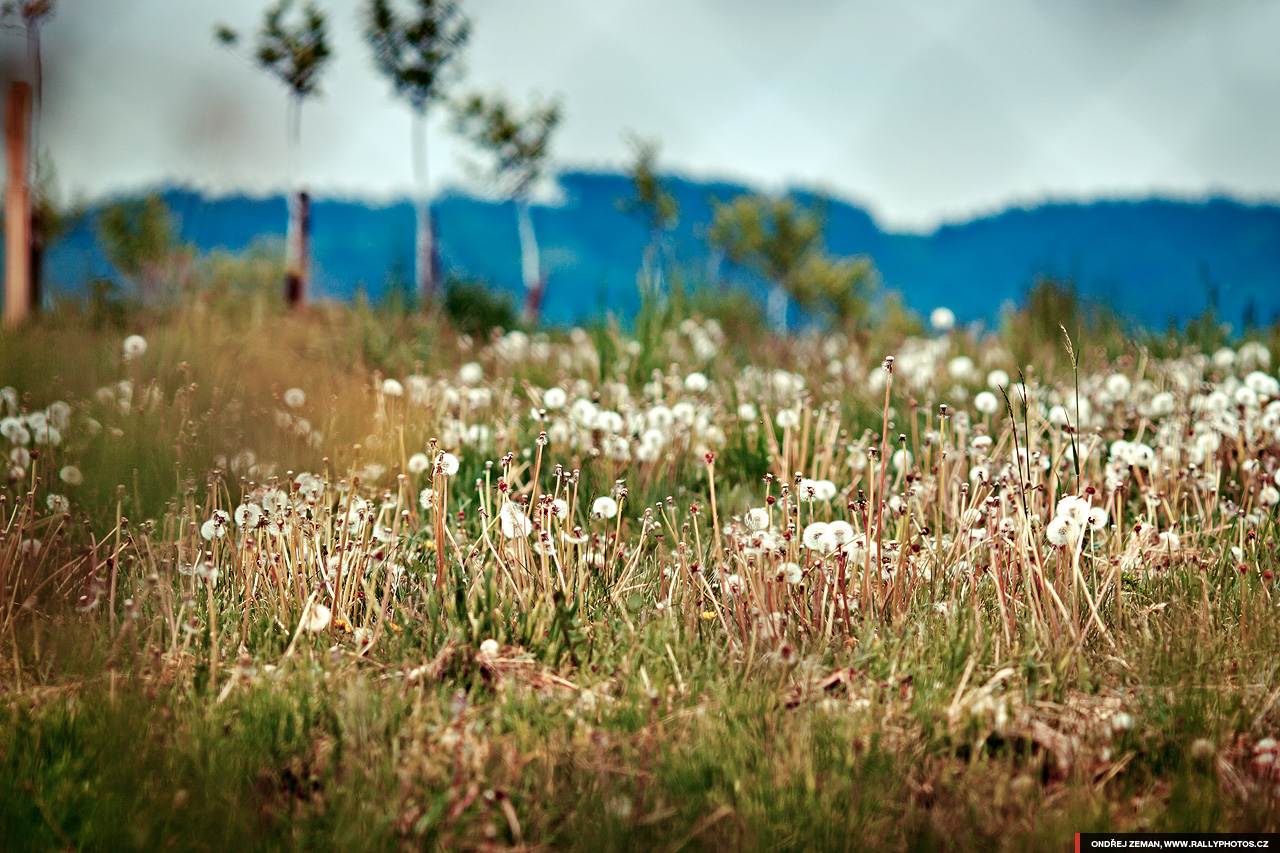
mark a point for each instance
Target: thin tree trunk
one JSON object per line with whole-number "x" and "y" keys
{"x": 529, "y": 264}
{"x": 17, "y": 209}
{"x": 777, "y": 307}
{"x": 296, "y": 293}
{"x": 297, "y": 239}
{"x": 424, "y": 267}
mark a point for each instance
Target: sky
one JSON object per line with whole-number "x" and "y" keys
{"x": 921, "y": 111}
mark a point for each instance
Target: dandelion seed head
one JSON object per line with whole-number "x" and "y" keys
{"x": 447, "y": 464}
{"x": 942, "y": 319}
{"x": 134, "y": 346}
{"x": 315, "y": 618}
{"x": 604, "y": 507}
{"x": 986, "y": 403}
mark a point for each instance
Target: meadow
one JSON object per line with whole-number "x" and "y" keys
{"x": 352, "y": 579}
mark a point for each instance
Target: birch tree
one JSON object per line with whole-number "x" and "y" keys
{"x": 295, "y": 50}
{"x": 419, "y": 53}
{"x": 518, "y": 146}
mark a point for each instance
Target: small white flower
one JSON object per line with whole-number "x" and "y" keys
{"x": 986, "y": 402}
{"x": 392, "y": 388}
{"x": 134, "y": 346}
{"x": 513, "y": 521}
{"x": 470, "y": 373}
{"x": 560, "y": 508}
{"x": 247, "y": 515}
{"x": 57, "y": 503}
{"x": 942, "y": 319}
{"x": 604, "y": 507}
{"x": 1119, "y": 386}
{"x": 315, "y": 618}
{"x": 813, "y": 535}
{"x": 1120, "y": 721}
{"x": 1097, "y": 519}
{"x": 787, "y": 419}
{"x": 426, "y": 499}
{"x": 71, "y": 475}
{"x": 216, "y": 525}
{"x": 447, "y": 464}
{"x": 757, "y": 519}
{"x": 747, "y": 412}
{"x": 791, "y": 573}
{"x": 1073, "y": 507}
{"x": 1061, "y": 531}
{"x": 554, "y": 398}
{"x": 418, "y": 463}
{"x": 295, "y": 398}
{"x": 841, "y": 531}
{"x": 489, "y": 649}
{"x": 997, "y": 379}
{"x": 696, "y": 383}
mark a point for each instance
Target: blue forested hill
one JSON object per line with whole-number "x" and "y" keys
{"x": 1155, "y": 260}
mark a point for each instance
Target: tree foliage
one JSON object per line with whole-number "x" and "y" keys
{"x": 294, "y": 51}
{"x": 419, "y": 54}
{"x": 651, "y": 201}
{"x": 25, "y": 13}
{"x": 140, "y": 238}
{"x": 783, "y": 243}
{"x": 518, "y": 144}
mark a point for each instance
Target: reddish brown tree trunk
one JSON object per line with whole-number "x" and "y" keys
{"x": 296, "y": 278}
{"x": 17, "y": 206}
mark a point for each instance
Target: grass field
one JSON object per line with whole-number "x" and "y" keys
{"x": 351, "y": 580}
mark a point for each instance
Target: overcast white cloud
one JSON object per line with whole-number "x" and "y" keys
{"x": 922, "y": 110}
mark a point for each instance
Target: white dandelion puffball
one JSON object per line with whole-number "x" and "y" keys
{"x": 392, "y": 388}
{"x": 248, "y": 515}
{"x": 814, "y": 534}
{"x": 757, "y": 519}
{"x": 942, "y": 319}
{"x": 792, "y": 573}
{"x": 787, "y": 419}
{"x": 1061, "y": 531}
{"x": 426, "y": 498}
{"x": 554, "y": 398}
{"x": 841, "y": 531}
{"x": 470, "y": 373}
{"x": 560, "y": 509}
{"x": 57, "y": 503}
{"x": 1073, "y": 507}
{"x": 997, "y": 379}
{"x": 514, "y": 522}
{"x": 295, "y": 398}
{"x": 986, "y": 402}
{"x": 315, "y": 618}
{"x": 489, "y": 649}
{"x": 71, "y": 475}
{"x": 696, "y": 383}
{"x": 134, "y": 346}
{"x": 418, "y": 463}
{"x": 604, "y": 507}
{"x": 447, "y": 464}
{"x": 216, "y": 525}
